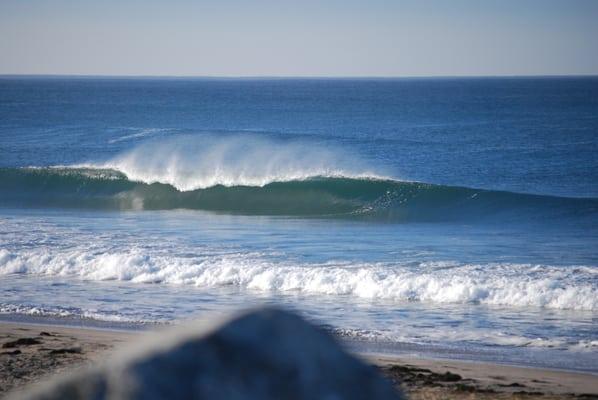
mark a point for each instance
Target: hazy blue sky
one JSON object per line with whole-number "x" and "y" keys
{"x": 299, "y": 38}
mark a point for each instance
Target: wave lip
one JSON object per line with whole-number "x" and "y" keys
{"x": 505, "y": 285}
{"x": 190, "y": 163}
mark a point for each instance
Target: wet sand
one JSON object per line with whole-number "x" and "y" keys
{"x": 450, "y": 379}
{"x": 31, "y": 352}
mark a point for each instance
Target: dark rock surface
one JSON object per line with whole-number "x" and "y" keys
{"x": 265, "y": 354}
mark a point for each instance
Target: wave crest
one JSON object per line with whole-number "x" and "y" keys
{"x": 189, "y": 163}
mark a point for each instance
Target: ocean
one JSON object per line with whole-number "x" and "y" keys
{"x": 440, "y": 217}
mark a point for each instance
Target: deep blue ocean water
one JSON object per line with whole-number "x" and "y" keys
{"x": 443, "y": 217}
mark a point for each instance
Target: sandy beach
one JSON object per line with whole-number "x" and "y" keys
{"x": 31, "y": 352}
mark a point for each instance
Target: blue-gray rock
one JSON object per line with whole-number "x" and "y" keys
{"x": 264, "y": 354}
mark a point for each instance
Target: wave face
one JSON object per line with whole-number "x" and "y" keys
{"x": 315, "y": 196}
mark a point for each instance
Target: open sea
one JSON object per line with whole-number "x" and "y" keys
{"x": 453, "y": 217}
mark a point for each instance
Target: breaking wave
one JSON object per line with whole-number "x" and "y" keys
{"x": 253, "y": 176}
{"x": 497, "y": 284}
{"x": 319, "y": 196}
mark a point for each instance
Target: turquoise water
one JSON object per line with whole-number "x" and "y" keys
{"x": 449, "y": 217}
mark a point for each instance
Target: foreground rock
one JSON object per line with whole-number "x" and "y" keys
{"x": 266, "y": 354}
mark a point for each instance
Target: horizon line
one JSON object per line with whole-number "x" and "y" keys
{"x": 297, "y": 77}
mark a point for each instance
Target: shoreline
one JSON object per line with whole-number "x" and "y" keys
{"x": 32, "y": 351}
{"x": 399, "y": 350}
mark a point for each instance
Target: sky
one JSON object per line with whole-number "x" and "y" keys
{"x": 299, "y": 38}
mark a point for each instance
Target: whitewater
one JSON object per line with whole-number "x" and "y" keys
{"x": 441, "y": 282}
{"x": 234, "y": 160}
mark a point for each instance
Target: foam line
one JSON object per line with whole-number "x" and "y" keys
{"x": 512, "y": 285}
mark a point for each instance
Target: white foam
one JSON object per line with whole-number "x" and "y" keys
{"x": 425, "y": 336}
{"x": 196, "y": 162}
{"x": 511, "y": 285}
{"x": 72, "y": 313}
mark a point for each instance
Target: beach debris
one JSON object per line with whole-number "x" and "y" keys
{"x": 421, "y": 375}
{"x": 448, "y": 377}
{"x": 21, "y": 342}
{"x": 69, "y": 350}
{"x": 11, "y": 353}
{"x": 514, "y": 384}
{"x": 264, "y": 354}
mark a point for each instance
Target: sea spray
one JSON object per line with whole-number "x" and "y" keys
{"x": 197, "y": 162}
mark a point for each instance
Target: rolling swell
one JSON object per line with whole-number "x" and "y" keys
{"x": 318, "y": 196}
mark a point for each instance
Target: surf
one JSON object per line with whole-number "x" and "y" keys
{"x": 253, "y": 175}
{"x": 312, "y": 196}
{"x": 441, "y": 282}
{"x": 192, "y": 162}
